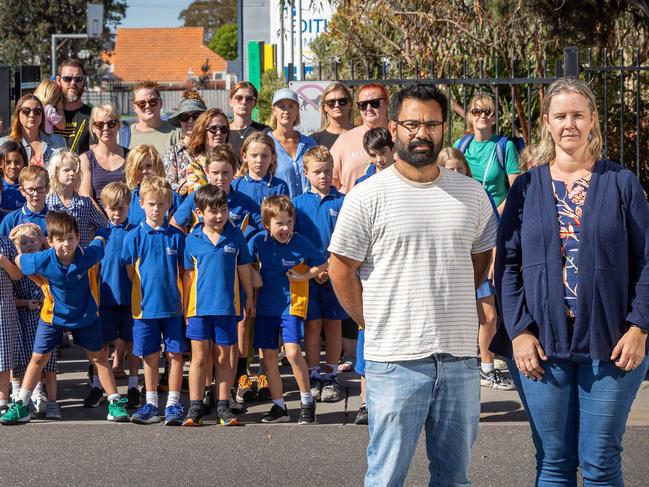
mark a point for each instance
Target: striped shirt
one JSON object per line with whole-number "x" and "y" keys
{"x": 415, "y": 242}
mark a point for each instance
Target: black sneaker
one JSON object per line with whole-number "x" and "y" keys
{"x": 361, "y": 416}
{"x": 226, "y": 417}
{"x": 307, "y": 413}
{"x": 133, "y": 398}
{"x": 94, "y": 399}
{"x": 208, "y": 402}
{"x": 276, "y": 415}
{"x": 194, "y": 416}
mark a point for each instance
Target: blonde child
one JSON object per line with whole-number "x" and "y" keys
{"x": 453, "y": 159}
{"x": 144, "y": 160}
{"x": 65, "y": 179}
{"x": 526, "y": 159}
{"x": 51, "y": 96}
{"x": 256, "y": 176}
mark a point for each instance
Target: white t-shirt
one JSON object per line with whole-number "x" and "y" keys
{"x": 415, "y": 241}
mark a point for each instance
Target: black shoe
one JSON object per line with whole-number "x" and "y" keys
{"x": 94, "y": 399}
{"x": 133, "y": 398}
{"x": 307, "y": 413}
{"x": 361, "y": 416}
{"x": 208, "y": 402}
{"x": 194, "y": 416}
{"x": 276, "y": 415}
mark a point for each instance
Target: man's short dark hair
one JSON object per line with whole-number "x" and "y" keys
{"x": 376, "y": 139}
{"x": 418, "y": 91}
{"x": 59, "y": 224}
{"x": 210, "y": 196}
{"x": 72, "y": 62}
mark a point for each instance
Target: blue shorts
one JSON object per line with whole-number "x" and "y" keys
{"x": 49, "y": 336}
{"x": 323, "y": 303}
{"x": 267, "y": 330}
{"x": 147, "y": 335}
{"x": 116, "y": 322}
{"x": 360, "y": 353}
{"x": 485, "y": 290}
{"x": 222, "y": 330}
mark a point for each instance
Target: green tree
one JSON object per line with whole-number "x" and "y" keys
{"x": 224, "y": 42}
{"x": 26, "y": 29}
{"x": 209, "y": 14}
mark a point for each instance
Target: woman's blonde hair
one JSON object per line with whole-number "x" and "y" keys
{"x": 481, "y": 100}
{"x": 135, "y": 157}
{"x": 196, "y": 145}
{"x": 451, "y": 153}
{"x": 545, "y": 151}
{"x": 48, "y": 92}
{"x": 106, "y": 109}
{"x": 273, "y": 118}
{"x": 55, "y": 164}
{"x": 260, "y": 138}
{"x": 335, "y": 86}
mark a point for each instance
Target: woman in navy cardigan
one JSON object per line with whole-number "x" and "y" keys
{"x": 573, "y": 282}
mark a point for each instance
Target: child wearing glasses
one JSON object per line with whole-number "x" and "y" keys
{"x": 51, "y": 96}
{"x": 34, "y": 184}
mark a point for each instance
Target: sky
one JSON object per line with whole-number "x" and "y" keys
{"x": 153, "y": 13}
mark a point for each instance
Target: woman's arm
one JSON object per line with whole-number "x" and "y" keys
{"x": 86, "y": 177}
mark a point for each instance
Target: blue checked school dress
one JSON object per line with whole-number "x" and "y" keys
{"x": 88, "y": 217}
{"x": 9, "y": 333}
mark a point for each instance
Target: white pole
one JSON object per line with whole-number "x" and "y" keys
{"x": 291, "y": 45}
{"x": 298, "y": 22}
{"x": 280, "y": 45}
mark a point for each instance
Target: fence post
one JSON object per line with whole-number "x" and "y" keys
{"x": 571, "y": 62}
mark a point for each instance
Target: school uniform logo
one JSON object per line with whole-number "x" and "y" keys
{"x": 229, "y": 249}
{"x": 235, "y": 217}
{"x": 333, "y": 213}
{"x": 171, "y": 251}
{"x": 289, "y": 263}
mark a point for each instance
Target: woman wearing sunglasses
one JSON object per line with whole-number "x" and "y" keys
{"x": 243, "y": 100}
{"x": 336, "y": 114}
{"x": 103, "y": 163}
{"x": 176, "y": 158}
{"x": 28, "y": 127}
{"x": 210, "y": 129}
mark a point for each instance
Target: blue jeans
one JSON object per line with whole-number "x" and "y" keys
{"x": 578, "y": 414}
{"x": 440, "y": 392}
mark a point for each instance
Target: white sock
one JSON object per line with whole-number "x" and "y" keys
{"x": 15, "y": 387}
{"x": 38, "y": 390}
{"x": 133, "y": 381}
{"x": 173, "y": 398}
{"x": 114, "y": 397}
{"x": 152, "y": 398}
{"x": 487, "y": 367}
{"x": 306, "y": 397}
{"x": 25, "y": 396}
{"x": 280, "y": 403}
{"x": 95, "y": 382}
{"x": 3, "y": 402}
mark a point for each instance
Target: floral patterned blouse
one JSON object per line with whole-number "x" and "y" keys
{"x": 570, "y": 213}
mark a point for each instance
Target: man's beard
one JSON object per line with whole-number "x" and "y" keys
{"x": 418, "y": 158}
{"x": 72, "y": 96}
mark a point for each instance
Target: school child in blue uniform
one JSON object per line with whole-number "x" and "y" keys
{"x": 378, "y": 144}
{"x": 287, "y": 262}
{"x": 34, "y": 185}
{"x": 13, "y": 159}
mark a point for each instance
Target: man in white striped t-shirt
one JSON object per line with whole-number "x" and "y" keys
{"x": 410, "y": 247}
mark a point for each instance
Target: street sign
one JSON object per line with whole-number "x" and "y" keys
{"x": 95, "y": 24}
{"x": 309, "y": 93}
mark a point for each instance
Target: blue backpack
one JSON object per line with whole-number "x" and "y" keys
{"x": 501, "y": 148}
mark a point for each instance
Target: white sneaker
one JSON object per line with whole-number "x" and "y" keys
{"x": 40, "y": 403}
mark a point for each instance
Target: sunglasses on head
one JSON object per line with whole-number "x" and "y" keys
{"x": 70, "y": 79}
{"x": 37, "y": 111}
{"x": 186, "y": 117}
{"x": 152, "y": 102}
{"x": 340, "y": 101}
{"x": 223, "y": 129}
{"x": 375, "y": 103}
{"x": 247, "y": 99}
{"x": 476, "y": 112}
{"x": 111, "y": 124}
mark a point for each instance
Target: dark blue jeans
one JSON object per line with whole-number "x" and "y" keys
{"x": 578, "y": 414}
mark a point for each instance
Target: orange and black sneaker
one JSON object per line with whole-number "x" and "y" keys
{"x": 194, "y": 416}
{"x": 245, "y": 392}
{"x": 263, "y": 391}
{"x": 226, "y": 417}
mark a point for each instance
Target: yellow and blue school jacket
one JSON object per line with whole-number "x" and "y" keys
{"x": 71, "y": 292}
{"x": 136, "y": 212}
{"x": 316, "y": 217}
{"x": 23, "y": 215}
{"x": 215, "y": 287}
{"x": 260, "y": 189}
{"x": 114, "y": 284}
{"x": 156, "y": 256}
{"x": 243, "y": 212}
{"x": 278, "y": 296}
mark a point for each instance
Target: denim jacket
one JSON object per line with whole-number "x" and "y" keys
{"x": 51, "y": 145}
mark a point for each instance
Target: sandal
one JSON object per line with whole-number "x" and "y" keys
{"x": 346, "y": 364}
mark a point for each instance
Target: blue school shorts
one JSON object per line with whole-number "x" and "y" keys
{"x": 148, "y": 334}
{"x": 222, "y": 330}
{"x": 267, "y": 329}
{"x": 49, "y": 336}
{"x": 323, "y": 303}
{"x": 485, "y": 290}
{"x": 116, "y": 322}
{"x": 359, "y": 367}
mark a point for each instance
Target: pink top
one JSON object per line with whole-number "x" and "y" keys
{"x": 52, "y": 117}
{"x": 350, "y": 159}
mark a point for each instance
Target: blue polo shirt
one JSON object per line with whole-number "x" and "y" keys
{"x": 369, "y": 171}
{"x": 23, "y": 215}
{"x": 244, "y": 213}
{"x": 260, "y": 189}
{"x": 278, "y": 296}
{"x": 12, "y": 199}
{"x": 114, "y": 284}
{"x": 215, "y": 287}
{"x": 71, "y": 292}
{"x": 316, "y": 217}
{"x": 136, "y": 212}
{"x": 156, "y": 256}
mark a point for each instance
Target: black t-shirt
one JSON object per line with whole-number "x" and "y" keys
{"x": 238, "y": 136}
{"x": 77, "y": 129}
{"x": 325, "y": 138}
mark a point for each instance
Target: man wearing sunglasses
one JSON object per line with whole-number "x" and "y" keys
{"x": 72, "y": 80}
{"x": 350, "y": 158}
